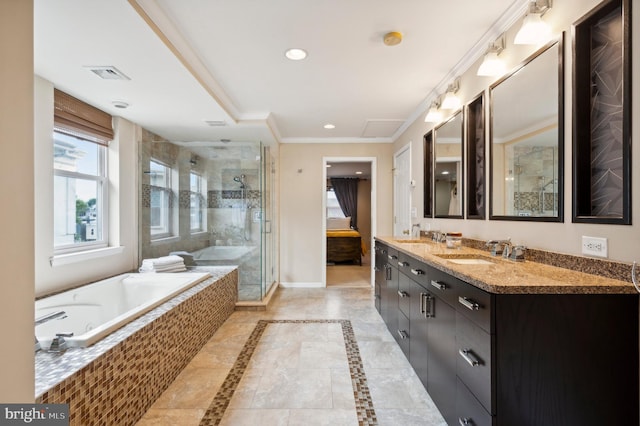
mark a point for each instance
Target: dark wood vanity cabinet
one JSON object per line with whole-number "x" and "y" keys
{"x": 388, "y": 286}
{"x": 517, "y": 359}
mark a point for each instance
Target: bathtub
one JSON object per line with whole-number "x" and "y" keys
{"x": 96, "y": 310}
{"x": 222, "y": 255}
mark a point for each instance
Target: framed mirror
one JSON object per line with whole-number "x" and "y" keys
{"x": 602, "y": 115}
{"x": 448, "y": 168}
{"x": 475, "y": 187}
{"x": 428, "y": 173}
{"x": 527, "y": 139}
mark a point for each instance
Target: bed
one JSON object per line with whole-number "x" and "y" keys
{"x": 343, "y": 244}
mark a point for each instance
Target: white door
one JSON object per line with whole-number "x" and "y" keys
{"x": 402, "y": 193}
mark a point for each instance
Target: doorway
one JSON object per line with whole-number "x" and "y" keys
{"x": 344, "y": 265}
{"x": 402, "y": 192}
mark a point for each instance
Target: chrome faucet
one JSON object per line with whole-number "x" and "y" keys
{"x": 499, "y": 247}
{"x": 58, "y": 344}
{"x": 517, "y": 253}
{"x": 414, "y": 227}
{"x": 47, "y": 318}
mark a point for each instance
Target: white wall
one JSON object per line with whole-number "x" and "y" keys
{"x": 16, "y": 193}
{"x": 302, "y": 190}
{"x": 560, "y": 237}
{"x": 122, "y": 208}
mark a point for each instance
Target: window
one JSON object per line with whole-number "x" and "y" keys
{"x": 80, "y": 193}
{"x": 161, "y": 200}
{"x": 80, "y": 181}
{"x": 197, "y": 203}
{"x": 333, "y": 207}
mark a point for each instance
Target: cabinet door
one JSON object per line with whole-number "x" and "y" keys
{"x": 390, "y": 301}
{"x": 379, "y": 276}
{"x": 418, "y": 349}
{"x": 441, "y": 375}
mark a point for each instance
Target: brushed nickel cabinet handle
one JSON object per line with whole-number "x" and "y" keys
{"x": 439, "y": 285}
{"x": 468, "y": 356}
{"x": 465, "y": 421}
{"x": 403, "y": 293}
{"x": 468, "y": 303}
{"x": 430, "y": 301}
{"x": 403, "y": 334}
{"x": 417, "y": 271}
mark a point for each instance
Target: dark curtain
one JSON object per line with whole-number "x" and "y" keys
{"x": 346, "y": 190}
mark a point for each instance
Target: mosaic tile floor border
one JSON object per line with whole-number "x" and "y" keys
{"x": 364, "y": 405}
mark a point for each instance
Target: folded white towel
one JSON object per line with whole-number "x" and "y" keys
{"x": 163, "y": 264}
{"x": 164, "y": 260}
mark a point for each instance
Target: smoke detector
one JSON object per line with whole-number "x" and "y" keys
{"x": 392, "y": 38}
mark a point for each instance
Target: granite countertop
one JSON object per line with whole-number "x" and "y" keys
{"x": 505, "y": 276}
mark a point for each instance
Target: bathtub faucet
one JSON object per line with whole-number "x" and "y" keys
{"x": 47, "y": 318}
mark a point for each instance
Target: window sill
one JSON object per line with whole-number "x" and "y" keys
{"x": 165, "y": 240}
{"x": 66, "y": 259}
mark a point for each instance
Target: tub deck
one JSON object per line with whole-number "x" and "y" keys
{"x": 118, "y": 378}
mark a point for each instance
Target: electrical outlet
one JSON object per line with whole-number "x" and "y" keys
{"x": 594, "y": 246}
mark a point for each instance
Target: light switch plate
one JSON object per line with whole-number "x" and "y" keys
{"x": 594, "y": 246}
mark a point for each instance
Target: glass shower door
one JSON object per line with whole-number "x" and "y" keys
{"x": 267, "y": 241}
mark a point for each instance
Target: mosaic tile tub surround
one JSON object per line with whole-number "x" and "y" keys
{"x": 116, "y": 380}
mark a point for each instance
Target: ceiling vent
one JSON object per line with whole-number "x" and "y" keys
{"x": 216, "y": 123}
{"x": 108, "y": 73}
{"x": 383, "y": 128}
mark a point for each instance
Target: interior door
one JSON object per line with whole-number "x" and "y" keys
{"x": 402, "y": 193}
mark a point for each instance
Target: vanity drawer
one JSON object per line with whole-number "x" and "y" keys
{"x": 391, "y": 256}
{"x": 468, "y": 410}
{"x": 444, "y": 285}
{"x": 473, "y": 362}
{"x": 413, "y": 268}
{"x": 404, "y": 294}
{"x": 474, "y": 304}
{"x": 402, "y": 334}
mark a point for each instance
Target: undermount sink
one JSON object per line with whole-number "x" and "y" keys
{"x": 466, "y": 259}
{"x": 411, "y": 241}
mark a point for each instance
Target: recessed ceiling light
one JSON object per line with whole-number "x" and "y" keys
{"x": 120, "y": 104}
{"x": 329, "y": 126}
{"x": 328, "y": 165}
{"x": 296, "y": 54}
{"x": 358, "y": 173}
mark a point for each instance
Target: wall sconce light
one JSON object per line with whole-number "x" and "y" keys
{"x": 493, "y": 66}
{"x": 434, "y": 115}
{"x": 534, "y": 30}
{"x": 451, "y": 100}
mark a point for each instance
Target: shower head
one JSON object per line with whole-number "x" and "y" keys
{"x": 240, "y": 180}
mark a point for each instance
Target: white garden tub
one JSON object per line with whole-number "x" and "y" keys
{"x": 96, "y": 310}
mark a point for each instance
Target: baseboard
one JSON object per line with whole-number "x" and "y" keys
{"x": 302, "y": 285}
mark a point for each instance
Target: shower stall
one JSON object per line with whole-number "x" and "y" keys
{"x": 212, "y": 203}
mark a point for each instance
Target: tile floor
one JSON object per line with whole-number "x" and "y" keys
{"x": 262, "y": 368}
{"x": 350, "y": 275}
